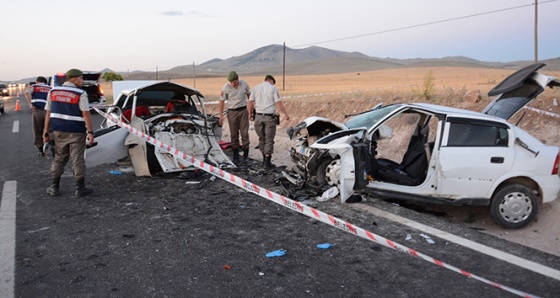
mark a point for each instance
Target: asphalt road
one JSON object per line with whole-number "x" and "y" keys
{"x": 193, "y": 237}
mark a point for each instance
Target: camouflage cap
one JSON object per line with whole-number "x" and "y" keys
{"x": 232, "y": 76}
{"x": 270, "y": 77}
{"x": 74, "y": 72}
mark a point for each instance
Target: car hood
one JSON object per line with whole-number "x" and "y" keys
{"x": 517, "y": 90}
{"x": 315, "y": 127}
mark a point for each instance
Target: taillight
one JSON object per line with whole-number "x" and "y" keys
{"x": 101, "y": 91}
{"x": 556, "y": 165}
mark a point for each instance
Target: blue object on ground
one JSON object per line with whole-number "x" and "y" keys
{"x": 324, "y": 245}
{"x": 276, "y": 253}
{"x": 116, "y": 173}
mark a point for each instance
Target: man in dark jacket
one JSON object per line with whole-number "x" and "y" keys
{"x": 36, "y": 97}
{"x": 69, "y": 117}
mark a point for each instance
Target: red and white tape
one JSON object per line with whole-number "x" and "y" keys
{"x": 301, "y": 208}
{"x": 542, "y": 112}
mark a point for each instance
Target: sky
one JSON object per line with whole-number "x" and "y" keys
{"x": 49, "y": 36}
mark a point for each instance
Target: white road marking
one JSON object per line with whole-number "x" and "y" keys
{"x": 15, "y": 128}
{"x": 498, "y": 254}
{"x": 8, "y": 239}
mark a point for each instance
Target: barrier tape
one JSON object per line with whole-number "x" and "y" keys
{"x": 301, "y": 208}
{"x": 542, "y": 112}
{"x": 354, "y": 91}
{"x": 313, "y": 95}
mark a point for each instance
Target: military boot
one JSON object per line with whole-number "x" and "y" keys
{"x": 267, "y": 162}
{"x": 235, "y": 156}
{"x": 81, "y": 189}
{"x": 245, "y": 155}
{"x": 52, "y": 190}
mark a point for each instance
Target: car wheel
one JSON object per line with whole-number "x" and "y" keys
{"x": 514, "y": 206}
{"x": 328, "y": 172}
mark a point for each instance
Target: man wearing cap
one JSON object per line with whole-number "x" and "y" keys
{"x": 36, "y": 96}
{"x": 69, "y": 117}
{"x": 266, "y": 99}
{"x": 236, "y": 92}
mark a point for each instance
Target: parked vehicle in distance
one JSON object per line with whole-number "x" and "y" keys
{"x": 169, "y": 112}
{"x": 4, "y": 90}
{"x": 443, "y": 155}
{"x": 96, "y": 96}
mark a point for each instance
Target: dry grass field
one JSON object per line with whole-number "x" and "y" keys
{"x": 335, "y": 95}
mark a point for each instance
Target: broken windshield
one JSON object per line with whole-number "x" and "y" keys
{"x": 370, "y": 118}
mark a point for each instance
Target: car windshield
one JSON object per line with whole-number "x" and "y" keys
{"x": 368, "y": 119}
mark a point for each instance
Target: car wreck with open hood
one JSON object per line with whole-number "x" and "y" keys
{"x": 436, "y": 154}
{"x": 169, "y": 112}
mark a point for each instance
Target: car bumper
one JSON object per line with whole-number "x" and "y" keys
{"x": 551, "y": 188}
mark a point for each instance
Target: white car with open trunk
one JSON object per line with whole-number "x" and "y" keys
{"x": 444, "y": 155}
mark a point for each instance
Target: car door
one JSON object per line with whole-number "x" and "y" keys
{"x": 110, "y": 146}
{"x": 348, "y": 145}
{"x": 474, "y": 153}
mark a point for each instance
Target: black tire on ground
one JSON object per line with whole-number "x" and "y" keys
{"x": 514, "y": 206}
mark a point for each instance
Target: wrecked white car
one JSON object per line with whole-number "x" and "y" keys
{"x": 443, "y": 155}
{"x": 168, "y": 112}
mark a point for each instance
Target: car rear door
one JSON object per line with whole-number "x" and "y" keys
{"x": 474, "y": 153}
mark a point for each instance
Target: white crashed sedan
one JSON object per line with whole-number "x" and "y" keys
{"x": 166, "y": 111}
{"x": 444, "y": 155}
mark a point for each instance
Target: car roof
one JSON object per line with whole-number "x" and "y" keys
{"x": 454, "y": 112}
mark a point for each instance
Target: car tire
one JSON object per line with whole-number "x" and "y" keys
{"x": 328, "y": 172}
{"x": 514, "y": 206}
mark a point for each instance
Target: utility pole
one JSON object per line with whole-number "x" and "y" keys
{"x": 156, "y": 73}
{"x": 194, "y": 75}
{"x": 284, "y": 69}
{"x": 536, "y": 31}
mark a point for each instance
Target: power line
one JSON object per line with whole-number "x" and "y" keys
{"x": 424, "y": 24}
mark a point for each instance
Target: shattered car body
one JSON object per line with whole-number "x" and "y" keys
{"x": 440, "y": 155}
{"x": 169, "y": 112}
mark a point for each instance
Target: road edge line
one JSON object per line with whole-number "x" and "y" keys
{"x": 498, "y": 254}
{"x": 8, "y": 239}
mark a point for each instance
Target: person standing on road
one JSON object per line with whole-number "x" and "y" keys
{"x": 266, "y": 99}
{"x": 69, "y": 117}
{"x": 36, "y": 96}
{"x": 236, "y": 92}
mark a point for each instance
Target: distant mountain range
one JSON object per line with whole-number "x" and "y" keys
{"x": 318, "y": 60}
{"x": 312, "y": 60}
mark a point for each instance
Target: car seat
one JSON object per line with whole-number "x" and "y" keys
{"x": 413, "y": 167}
{"x": 140, "y": 111}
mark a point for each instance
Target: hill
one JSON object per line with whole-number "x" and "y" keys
{"x": 318, "y": 60}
